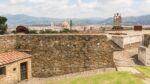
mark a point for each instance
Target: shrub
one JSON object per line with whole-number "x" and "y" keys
{"x": 117, "y": 28}
{"x": 54, "y": 32}
{"x": 48, "y": 31}
{"x": 42, "y": 31}
{"x": 65, "y": 31}
{"x": 22, "y": 29}
{"x": 74, "y": 31}
{"x": 33, "y": 32}
{"x": 14, "y": 32}
{"x": 68, "y": 31}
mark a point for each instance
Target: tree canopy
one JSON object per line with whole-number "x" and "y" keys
{"x": 3, "y": 25}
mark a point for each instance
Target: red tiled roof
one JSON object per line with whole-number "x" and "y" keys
{"x": 12, "y": 56}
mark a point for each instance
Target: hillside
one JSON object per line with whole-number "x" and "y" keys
{"x": 31, "y": 20}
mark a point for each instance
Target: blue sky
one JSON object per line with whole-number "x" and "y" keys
{"x": 75, "y": 8}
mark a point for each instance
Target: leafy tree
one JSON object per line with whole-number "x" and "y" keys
{"x": 71, "y": 24}
{"x": 3, "y": 25}
{"x": 68, "y": 31}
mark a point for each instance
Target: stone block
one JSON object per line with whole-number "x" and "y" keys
{"x": 126, "y": 40}
{"x": 144, "y": 55}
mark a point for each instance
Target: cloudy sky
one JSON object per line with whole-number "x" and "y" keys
{"x": 75, "y": 8}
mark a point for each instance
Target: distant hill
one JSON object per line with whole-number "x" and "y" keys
{"x": 137, "y": 20}
{"x": 31, "y": 20}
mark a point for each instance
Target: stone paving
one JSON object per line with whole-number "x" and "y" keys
{"x": 127, "y": 58}
{"x": 128, "y": 69}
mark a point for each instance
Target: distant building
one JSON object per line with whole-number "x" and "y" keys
{"x": 138, "y": 28}
{"x": 14, "y": 67}
{"x": 66, "y": 24}
{"x": 117, "y": 20}
{"x": 52, "y": 24}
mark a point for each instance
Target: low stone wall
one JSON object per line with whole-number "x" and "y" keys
{"x": 63, "y": 54}
{"x": 144, "y": 50}
{"x": 146, "y": 40}
{"x": 126, "y": 40}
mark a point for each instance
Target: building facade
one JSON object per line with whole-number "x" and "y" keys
{"x": 14, "y": 67}
{"x": 66, "y": 24}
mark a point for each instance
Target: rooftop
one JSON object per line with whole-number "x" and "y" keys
{"x": 9, "y": 57}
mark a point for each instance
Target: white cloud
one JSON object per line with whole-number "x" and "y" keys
{"x": 63, "y": 8}
{"x": 37, "y": 1}
{"x": 147, "y": 1}
{"x": 17, "y": 1}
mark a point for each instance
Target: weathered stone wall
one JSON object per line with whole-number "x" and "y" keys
{"x": 62, "y": 54}
{"x": 146, "y": 40}
{"x": 144, "y": 50}
{"x": 7, "y": 43}
{"x": 124, "y": 41}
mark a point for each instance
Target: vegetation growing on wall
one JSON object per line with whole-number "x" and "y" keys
{"x": 33, "y": 32}
{"x": 117, "y": 28}
{"x": 68, "y": 31}
{"x": 49, "y": 31}
{"x": 62, "y": 31}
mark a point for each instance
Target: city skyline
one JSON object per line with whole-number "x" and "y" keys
{"x": 75, "y": 8}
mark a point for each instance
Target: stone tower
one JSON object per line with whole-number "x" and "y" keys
{"x": 117, "y": 20}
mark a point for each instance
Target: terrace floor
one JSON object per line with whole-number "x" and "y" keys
{"x": 127, "y": 58}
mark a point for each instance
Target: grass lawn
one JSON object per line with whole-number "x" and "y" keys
{"x": 145, "y": 70}
{"x": 106, "y": 78}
